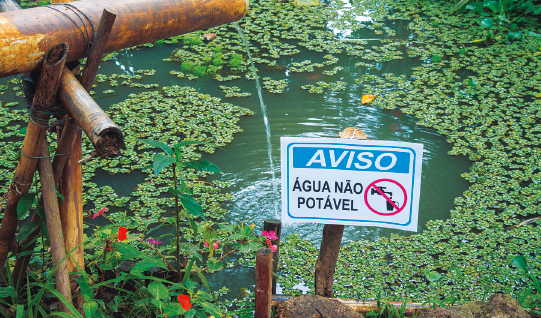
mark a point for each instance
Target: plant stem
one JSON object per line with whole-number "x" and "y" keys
{"x": 177, "y": 215}
{"x": 157, "y": 252}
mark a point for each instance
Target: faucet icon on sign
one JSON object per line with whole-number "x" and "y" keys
{"x": 390, "y": 207}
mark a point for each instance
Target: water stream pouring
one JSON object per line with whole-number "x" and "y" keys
{"x": 264, "y": 113}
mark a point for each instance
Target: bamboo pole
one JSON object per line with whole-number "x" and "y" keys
{"x": 54, "y": 226}
{"x": 25, "y": 35}
{"x": 71, "y": 186}
{"x": 263, "y": 283}
{"x": 276, "y": 226}
{"x": 71, "y": 211}
{"x": 104, "y": 134}
{"x": 332, "y": 239}
{"x": 44, "y": 98}
{"x": 364, "y": 307}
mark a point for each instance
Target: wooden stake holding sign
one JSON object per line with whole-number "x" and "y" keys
{"x": 332, "y": 239}
{"x": 348, "y": 182}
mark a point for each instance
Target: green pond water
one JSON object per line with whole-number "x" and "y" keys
{"x": 296, "y": 112}
{"x": 245, "y": 161}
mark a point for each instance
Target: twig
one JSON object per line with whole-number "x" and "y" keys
{"x": 157, "y": 252}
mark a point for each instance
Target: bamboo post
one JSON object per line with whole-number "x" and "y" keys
{"x": 71, "y": 183}
{"x": 332, "y": 239}
{"x": 71, "y": 210}
{"x": 45, "y": 96}
{"x": 54, "y": 226}
{"x": 263, "y": 283}
{"x": 276, "y": 226}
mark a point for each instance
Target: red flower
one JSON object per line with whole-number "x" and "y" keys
{"x": 99, "y": 213}
{"x": 122, "y": 233}
{"x": 184, "y": 300}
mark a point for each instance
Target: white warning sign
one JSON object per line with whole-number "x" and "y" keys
{"x": 351, "y": 182}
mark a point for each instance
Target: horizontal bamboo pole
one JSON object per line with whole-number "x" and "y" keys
{"x": 25, "y": 35}
{"x": 364, "y": 307}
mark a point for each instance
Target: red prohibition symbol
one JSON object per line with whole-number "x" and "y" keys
{"x": 391, "y": 202}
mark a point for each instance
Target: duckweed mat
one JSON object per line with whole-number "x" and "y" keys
{"x": 481, "y": 96}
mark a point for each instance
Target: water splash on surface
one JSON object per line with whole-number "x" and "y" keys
{"x": 265, "y": 118}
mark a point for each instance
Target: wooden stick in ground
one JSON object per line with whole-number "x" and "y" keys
{"x": 45, "y": 96}
{"x": 71, "y": 211}
{"x": 275, "y": 226}
{"x": 263, "y": 283}
{"x": 89, "y": 73}
{"x": 71, "y": 183}
{"x": 326, "y": 261}
{"x": 332, "y": 239}
{"x": 54, "y": 226}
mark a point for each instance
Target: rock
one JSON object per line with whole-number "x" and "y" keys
{"x": 312, "y": 306}
{"x": 504, "y": 306}
{"x": 499, "y": 306}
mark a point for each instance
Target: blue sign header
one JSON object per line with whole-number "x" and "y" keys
{"x": 351, "y": 159}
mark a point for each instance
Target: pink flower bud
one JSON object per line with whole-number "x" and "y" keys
{"x": 216, "y": 244}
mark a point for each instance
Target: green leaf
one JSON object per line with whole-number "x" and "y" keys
{"x": 20, "y": 311}
{"x": 203, "y": 165}
{"x": 27, "y": 230}
{"x": 192, "y": 142}
{"x": 161, "y": 161}
{"x": 520, "y": 261}
{"x": 204, "y": 280}
{"x": 236, "y": 236}
{"x": 433, "y": 276}
{"x": 25, "y": 203}
{"x": 88, "y": 295}
{"x": 143, "y": 266}
{"x": 487, "y": 23}
{"x": 158, "y": 303}
{"x": 90, "y": 308}
{"x": 191, "y": 205}
{"x": 190, "y": 249}
{"x": 494, "y": 6}
{"x": 214, "y": 266}
{"x": 23, "y": 130}
{"x": 40, "y": 211}
{"x": 130, "y": 252}
{"x": 172, "y": 309}
{"x": 44, "y": 231}
{"x": 157, "y": 144}
{"x": 106, "y": 266}
{"x": 209, "y": 308}
{"x": 6, "y": 291}
{"x": 512, "y": 36}
{"x": 158, "y": 290}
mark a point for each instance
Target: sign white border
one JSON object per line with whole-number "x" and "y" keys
{"x": 334, "y": 218}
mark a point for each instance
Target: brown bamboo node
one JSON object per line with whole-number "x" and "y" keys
{"x": 352, "y": 133}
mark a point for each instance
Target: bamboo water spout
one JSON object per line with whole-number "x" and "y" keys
{"x": 25, "y": 35}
